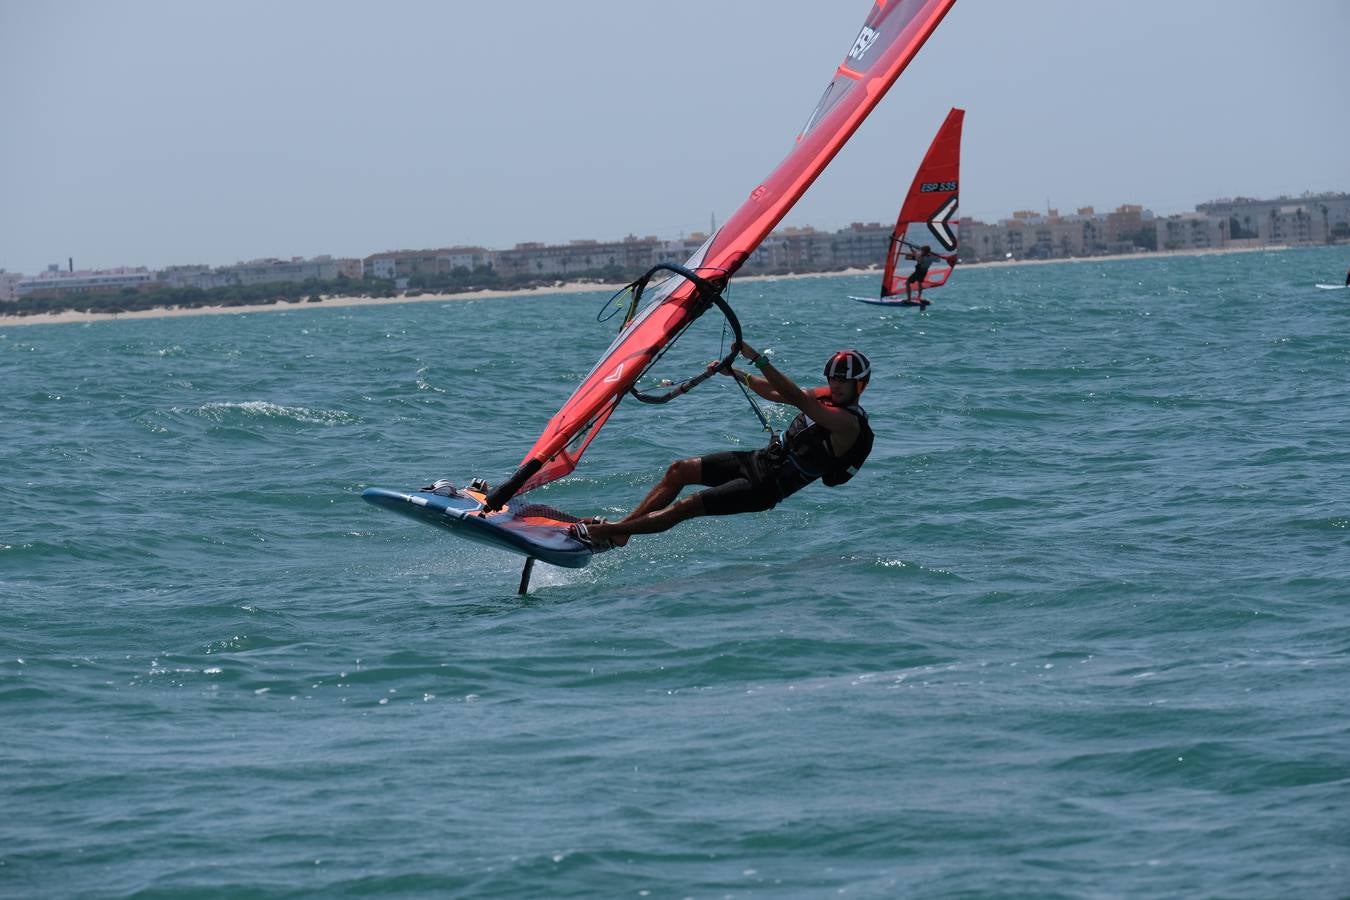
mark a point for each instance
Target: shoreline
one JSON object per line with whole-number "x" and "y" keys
{"x": 72, "y": 317}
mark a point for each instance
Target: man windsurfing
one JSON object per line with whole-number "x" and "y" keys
{"x": 924, "y": 257}
{"x": 828, "y": 440}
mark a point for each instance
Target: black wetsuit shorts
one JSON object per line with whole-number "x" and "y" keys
{"x": 736, "y": 484}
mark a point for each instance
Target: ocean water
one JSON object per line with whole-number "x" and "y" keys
{"x": 1080, "y": 628}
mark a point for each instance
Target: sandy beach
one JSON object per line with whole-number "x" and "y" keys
{"x": 64, "y": 318}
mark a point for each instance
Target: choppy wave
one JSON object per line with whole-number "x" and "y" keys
{"x": 262, "y": 409}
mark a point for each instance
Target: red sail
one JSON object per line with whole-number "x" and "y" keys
{"x": 929, "y": 215}
{"x": 889, "y": 39}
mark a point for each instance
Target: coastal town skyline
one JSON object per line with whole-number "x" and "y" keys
{"x": 157, "y": 137}
{"x": 1241, "y": 222}
{"x": 66, "y": 262}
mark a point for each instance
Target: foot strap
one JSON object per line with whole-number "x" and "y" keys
{"x": 582, "y": 532}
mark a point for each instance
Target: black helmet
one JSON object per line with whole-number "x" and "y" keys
{"x": 849, "y": 364}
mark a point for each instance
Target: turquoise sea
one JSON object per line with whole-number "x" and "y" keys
{"x": 1080, "y": 628}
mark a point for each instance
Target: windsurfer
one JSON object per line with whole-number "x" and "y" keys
{"x": 924, "y": 257}
{"x": 829, "y": 440}
{"x": 1347, "y": 277}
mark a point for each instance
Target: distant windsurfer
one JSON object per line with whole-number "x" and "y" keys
{"x": 923, "y": 257}
{"x": 1347, "y": 277}
{"x": 829, "y": 440}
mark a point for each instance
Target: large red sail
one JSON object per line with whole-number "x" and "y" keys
{"x": 891, "y": 36}
{"x": 928, "y": 217}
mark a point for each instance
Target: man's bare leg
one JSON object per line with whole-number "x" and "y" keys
{"x": 679, "y": 475}
{"x": 650, "y": 523}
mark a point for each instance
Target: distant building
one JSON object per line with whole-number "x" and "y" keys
{"x": 796, "y": 249}
{"x": 348, "y": 267}
{"x": 194, "y": 276}
{"x": 1311, "y": 218}
{"x": 55, "y": 282}
{"x": 1292, "y": 224}
{"x": 394, "y": 264}
{"x": 630, "y": 255}
{"x": 1191, "y": 231}
{"x": 861, "y": 245}
{"x": 272, "y": 271}
{"x": 9, "y": 282}
{"x": 1127, "y": 220}
{"x": 467, "y": 258}
{"x": 379, "y": 265}
{"x": 980, "y": 241}
{"x": 261, "y": 271}
{"x": 1049, "y": 235}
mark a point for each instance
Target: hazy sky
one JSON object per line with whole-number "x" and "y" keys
{"x": 159, "y": 133}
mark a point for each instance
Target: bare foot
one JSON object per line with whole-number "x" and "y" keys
{"x": 596, "y": 535}
{"x": 605, "y": 532}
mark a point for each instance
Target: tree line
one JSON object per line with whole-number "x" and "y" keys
{"x": 312, "y": 290}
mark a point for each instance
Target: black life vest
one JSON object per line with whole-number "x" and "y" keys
{"x": 809, "y": 450}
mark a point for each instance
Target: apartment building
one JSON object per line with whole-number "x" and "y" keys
{"x": 1311, "y": 218}
{"x": 9, "y": 282}
{"x": 395, "y": 264}
{"x": 1191, "y": 231}
{"x": 632, "y": 254}
{"x": 55, "y": 281}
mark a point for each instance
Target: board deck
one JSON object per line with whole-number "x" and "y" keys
{"x": 891, "y": 301}
{"x": 530, "y": 529}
